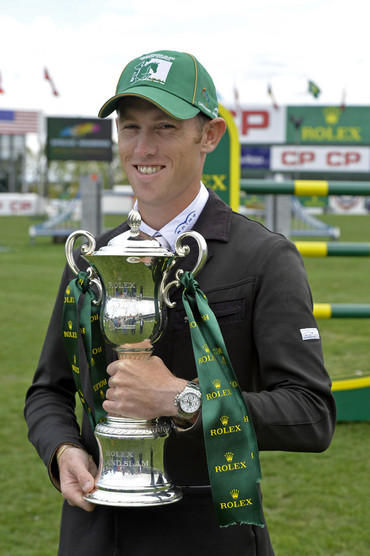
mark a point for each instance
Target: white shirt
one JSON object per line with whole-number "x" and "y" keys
{"x": 183, "y": 222}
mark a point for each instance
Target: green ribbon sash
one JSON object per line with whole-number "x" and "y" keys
{"x": 86, "y": 320}
{"x": 229, "y": 436}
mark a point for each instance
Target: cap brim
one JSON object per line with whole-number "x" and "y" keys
{"x": 169, "y": 103}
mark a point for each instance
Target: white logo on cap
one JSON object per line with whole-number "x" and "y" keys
{"x": 153, "y": 69}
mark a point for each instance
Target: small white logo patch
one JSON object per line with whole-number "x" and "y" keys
{"x": 310, "y": 334}
{"x": 154, "y": 69}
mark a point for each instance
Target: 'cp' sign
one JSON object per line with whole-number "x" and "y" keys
{"x": 331, "y": 158}
{"x": 254, "y": 119}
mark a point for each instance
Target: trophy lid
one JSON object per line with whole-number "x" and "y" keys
{"x": 134, "y": 242}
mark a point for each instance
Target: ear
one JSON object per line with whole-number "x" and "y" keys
{"x": 212, "y": 133}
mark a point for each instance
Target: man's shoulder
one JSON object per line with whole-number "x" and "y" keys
{"x": 241, "y": 224}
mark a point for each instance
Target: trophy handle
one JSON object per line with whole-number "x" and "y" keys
{"x": 183, "y": 251}
{"x": 86, "y": 249}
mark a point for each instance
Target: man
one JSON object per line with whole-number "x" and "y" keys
{"x": 256, "y": 286}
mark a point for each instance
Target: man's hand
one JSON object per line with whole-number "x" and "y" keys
{"x": 142, "y": 389}
{"x": 77, "y": 471}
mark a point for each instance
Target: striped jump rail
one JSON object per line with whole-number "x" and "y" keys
{"x": 325, "y": 249}
{"x": 320, "y": 188}
{"x": 332, "y": 249}
{"x": 341, "y": 310}
{"x": 352, "y": 382}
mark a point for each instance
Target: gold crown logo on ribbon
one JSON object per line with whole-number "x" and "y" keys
{"x": 224, "y": 419}
{"x": 229, "y": 456}
{"x": 206, "y": 348}
{"x": 234, "y": 493}
{"x": 70, "y": 324}
{"x": 216, "y": 382}
{"x": 68, "y": 290}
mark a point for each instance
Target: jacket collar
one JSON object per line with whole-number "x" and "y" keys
{"x": 215, "y": 219}
{"x": 213, "y": 223}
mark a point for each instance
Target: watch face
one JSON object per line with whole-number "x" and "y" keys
{"x": 189, "y": 402}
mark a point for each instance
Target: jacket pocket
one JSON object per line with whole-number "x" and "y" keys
{"x": 226, "y": 312}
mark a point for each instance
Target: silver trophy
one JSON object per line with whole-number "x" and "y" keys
{"x": 132, "y": 275}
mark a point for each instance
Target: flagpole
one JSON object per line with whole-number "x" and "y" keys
{"x": 40, "y": 165}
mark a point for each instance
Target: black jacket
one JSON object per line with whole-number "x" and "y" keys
{"x": 256, "y": 285}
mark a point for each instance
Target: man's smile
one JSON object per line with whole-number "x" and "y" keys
{"x": 148, "y": 169}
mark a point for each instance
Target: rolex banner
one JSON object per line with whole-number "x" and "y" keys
{"x": 230, "y": 440}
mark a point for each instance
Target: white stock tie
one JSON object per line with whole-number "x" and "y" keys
{"x": 162, "y": 240}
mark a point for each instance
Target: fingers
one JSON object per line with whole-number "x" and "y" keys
{"x": 77, "y": 472}
{"x": 113, "y": 367}
{"x": 76, "y": 497}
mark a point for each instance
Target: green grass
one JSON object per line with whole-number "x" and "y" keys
{"x": 315, "y": 504}
{"x": 344, "y": 280}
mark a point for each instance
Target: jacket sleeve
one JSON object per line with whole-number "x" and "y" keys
{"x": 50, "y": 401}
{"x": 294, "y": 409}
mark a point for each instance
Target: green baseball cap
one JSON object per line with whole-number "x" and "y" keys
{"x": 174, "y": 81}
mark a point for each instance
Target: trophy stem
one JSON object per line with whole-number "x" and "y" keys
{"x": 131, "y": 468}
{"x": 138, "y": 350}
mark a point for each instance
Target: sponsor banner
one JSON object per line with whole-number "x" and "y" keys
{"x": 79, "y": 139}
{"x": 19, "y": 204}
{"x": 314, "y": 204}
{"x": 255, "y": 158}
{"x": 328, "y": 125}
{"x": 260, "y": 124}
{"x": 221, "y": 171}
{"x": 347, "y": 204}
{"x": 328, "y": 159}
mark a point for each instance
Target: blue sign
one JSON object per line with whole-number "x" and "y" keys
{"x": 255, "y": 157}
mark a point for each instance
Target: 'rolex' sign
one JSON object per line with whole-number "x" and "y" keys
{"x": 328, "y": 125}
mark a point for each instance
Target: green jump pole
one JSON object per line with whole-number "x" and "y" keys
{"x": 339, "y": 311}
{"x": 332, "y": 249}
{"x": 321, "y": 188}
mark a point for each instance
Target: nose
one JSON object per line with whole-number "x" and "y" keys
{"x": 145, "y": 143}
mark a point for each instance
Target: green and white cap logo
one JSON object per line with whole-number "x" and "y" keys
{"x": 174, "y": 81}
{"x": 153, "y": 69}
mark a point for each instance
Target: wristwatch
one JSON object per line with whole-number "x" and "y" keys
{"x": 188, "y": 401}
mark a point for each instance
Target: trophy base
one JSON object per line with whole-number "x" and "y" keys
{"x": 131, "y": 470}
{"x": 134, "y": 499}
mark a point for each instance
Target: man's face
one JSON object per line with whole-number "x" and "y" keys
{"x": 162, "y": 157}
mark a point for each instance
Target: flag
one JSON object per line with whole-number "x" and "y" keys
{"x": 48, "y": 78}
{"x": 1, "y": 87}
{"x": 18, "y": 122}
{"x": 313, "y": 89}
{"x": 271, "y": 95}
